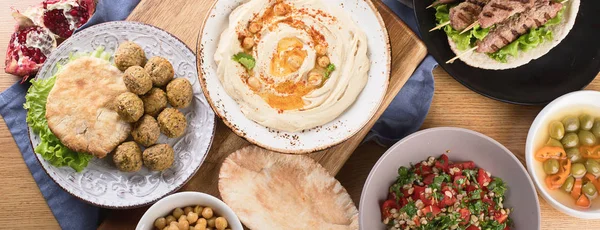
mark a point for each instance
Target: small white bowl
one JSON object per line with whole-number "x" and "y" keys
{"x": 560, "y": 200}
{"x": 165, "y": 206}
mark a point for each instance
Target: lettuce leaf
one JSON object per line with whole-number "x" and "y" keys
{"x": 463, "y": 41}
{"x": 50, "y": 147}
{"x": 528, "y": 41}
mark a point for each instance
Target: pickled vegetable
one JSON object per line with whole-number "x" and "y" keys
{"x": 557, "y": 130}
{"x": 571, "y": 123}
{"x": 551, "y": 166}
{"x": 586, "y": 122}
{"x": 570, "y": 140}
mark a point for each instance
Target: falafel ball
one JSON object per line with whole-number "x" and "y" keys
{"x": 172, "y": 122}
{"x": 179, "y": 93}
{"x": 160, "y": 70}
{"x": 129, "y": 106}
{"x": 129, "y": 54}
{"x": 128, "y": 157}
{"x": 159, "y": 157}
{"x": 154, "y": 101}
{"x": 137, "y": 80}
{"x": 146, "y": 132}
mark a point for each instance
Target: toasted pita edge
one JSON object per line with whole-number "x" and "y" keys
{"x": 309, "y": 164}
{"x": 560, "y": 31}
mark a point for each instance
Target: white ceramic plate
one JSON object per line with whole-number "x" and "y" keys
{"x": 365, "y": 15}
{"x": 569, "y": 104}
{"x": 101, "y": 183}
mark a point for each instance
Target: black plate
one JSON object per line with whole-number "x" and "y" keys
{"x": 568, "y": 67}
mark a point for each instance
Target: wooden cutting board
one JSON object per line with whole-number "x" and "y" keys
{"x": 183, "y": 18}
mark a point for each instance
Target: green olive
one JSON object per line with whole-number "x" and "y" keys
{"x": 592, "y": 167}
{"x": 589, "y": 189}
{"x": 570, "y": 140}
{"x": 578, "y": 170}
{"x": 586, "y": 121}
{"x": 586, "y": 138}
{"x": 551, "y": 166}
{"x": 554, "y": 143}
{"x": 571, "y": 123}
{"x": 556, "y": 130}
{"x": 596, "y": 128}
{"x": 574, "y": 155}
{"x": 568, "y": 185}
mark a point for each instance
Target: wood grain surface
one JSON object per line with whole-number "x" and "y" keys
{"x": 23, "y": 207}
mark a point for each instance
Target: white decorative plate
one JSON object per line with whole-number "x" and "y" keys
{"x": 366, "y": 16}
{"x": 101, "y": 183}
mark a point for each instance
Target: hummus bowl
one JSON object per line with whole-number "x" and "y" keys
{"x": 294, "y": 76}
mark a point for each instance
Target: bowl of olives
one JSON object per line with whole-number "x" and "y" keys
{"x": 563, "y": 154}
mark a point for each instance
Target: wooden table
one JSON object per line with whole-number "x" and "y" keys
{"x": 23, "y": 207}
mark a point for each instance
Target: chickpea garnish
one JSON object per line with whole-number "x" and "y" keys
{"x": 187, "y": 210}
{"x": 177, "y": 213}
{"x": 254, "y": 27}
{"x": 208, "y": 212}
{"x": 160, "y": 223}
{"x": 220, "y": 223}
{"x": 201, "y": 222}
{"x": 248, "y": 43}
{"x": 323, "y": 61}
{"x": 211, "y": 222}
{"x": 192, "y": 217}
{"x": 254, "y": 83}
{"x": 170, "y": 219}
{"x": 198, "y": 209}
{"x": 320, "y": 50}
{"x": 279, "y": 9}
{"x": 294, "y": 61}
{"x": 173, "y": 226}
{"x": 315, "y": 77}
{"x": 183, "y": 224}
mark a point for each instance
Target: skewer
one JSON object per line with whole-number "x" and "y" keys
{"x": 440, "y": 26}
{"x": 432, "y": 5}
{"x": 462, "y": 54}
{"x": 470, "y": 27}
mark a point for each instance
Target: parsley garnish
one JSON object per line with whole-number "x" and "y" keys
{"x": 491, "y": 225}
{"x": 475, "y": 194}
{"x": 498, "y": 187}
{"x": 437, "y": 181}
{"x": 477, "y": 207}
{"x": 245, "y": 59}
{"x": 330, "y": 68}
{"x": 410, "y": 209}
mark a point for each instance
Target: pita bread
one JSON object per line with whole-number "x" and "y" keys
{"x": 78, "y": 110}
{"x": 559, "y": 31}
{"x": 269, "y": 190}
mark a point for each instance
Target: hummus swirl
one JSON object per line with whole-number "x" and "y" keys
{"x": 308, "y": 62}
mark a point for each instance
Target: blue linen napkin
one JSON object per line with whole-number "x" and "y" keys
{"x": 404, "y": 116}
{"x": 409, "y": 108}
{"x": 70, "y": 212}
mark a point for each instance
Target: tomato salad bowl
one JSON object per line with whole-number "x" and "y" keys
{"x": 449, "y": 178}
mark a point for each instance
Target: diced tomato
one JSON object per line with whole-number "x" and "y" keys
{"x": 434, "y": 210}
{"x": 507, "y": 227}
{"x": 386, "y": 207}
{"x": 447, "y": 200}
{"x": 427, "y": 200}
{"x": 428, "y": 179}
{"x": 442, "y": 163}
{"x": 422, "y": 170}
{"x": 473, "y": 227}
{"x": 465, "y": 215}
{"x": 500, "y": 217}
{"x": 417, "y": 192}
{"x": 417, "y": 221}
{"x": 483, "y": 178}
{"x": 403, "y": 201}
{"x": 456, "y": 181}
{"x": 463, "y": 165}
{"x": 470, "y": 188}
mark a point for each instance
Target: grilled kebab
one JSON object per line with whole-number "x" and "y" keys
{"x": 466, "y": 13}
{"x": 497, "y": 11}
{"x": 508, "y": 31}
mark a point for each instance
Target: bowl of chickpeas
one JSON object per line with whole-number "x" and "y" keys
{"x": 189, "y": 211}
{"x": 563, "y": 154}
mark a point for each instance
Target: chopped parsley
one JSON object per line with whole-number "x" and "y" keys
{"x": 410, "y": 209}
{"x": 245, "y": 59}
{"x": 330, "y": 68}
{"x": 491, "y": 225}
{"x": 437, "y": 181}
{"x": 498, "y": 187}
{"x": 477, "y": 206}
{"x": 475, "y": 194}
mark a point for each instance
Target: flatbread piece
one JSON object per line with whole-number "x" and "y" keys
{"x": 269, "y": 190}
{"x": 78, "y": 108}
